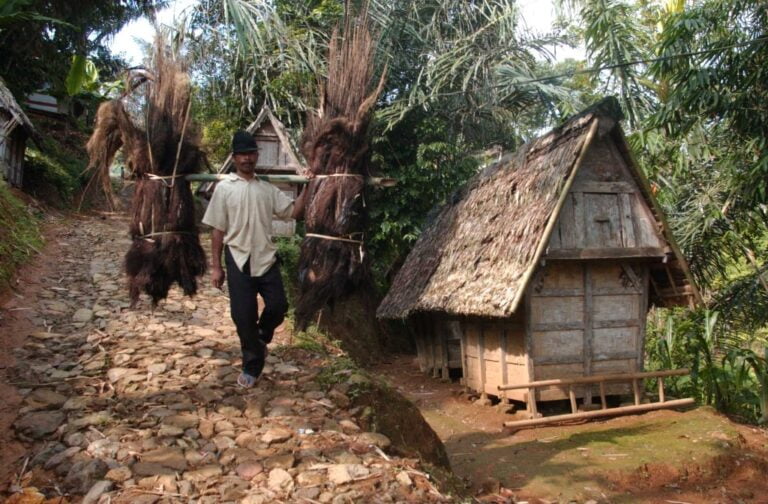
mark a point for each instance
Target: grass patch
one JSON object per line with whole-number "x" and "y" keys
{"x": 20, "y": 234}
{"x": 317, "y": 341}
{"x": 336, "y": 371}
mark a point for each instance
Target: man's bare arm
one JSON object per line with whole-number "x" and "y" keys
{"x": 217, "y": 246}
{"x": 300, "y": 204}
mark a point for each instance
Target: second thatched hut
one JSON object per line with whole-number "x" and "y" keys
{"x": 15, "y": 129}
{"x": 544, "y": 266}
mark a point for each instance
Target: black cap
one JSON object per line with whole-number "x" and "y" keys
{"x": 242, "y": 142}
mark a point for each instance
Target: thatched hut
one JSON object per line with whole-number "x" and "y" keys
{"x": 545, "y": 265}
{"x": 15, "y": 129}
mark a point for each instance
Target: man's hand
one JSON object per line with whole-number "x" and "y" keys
{"x": 217, "y": 277}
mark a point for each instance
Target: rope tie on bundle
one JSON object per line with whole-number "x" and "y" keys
{"x": 149, "y": 236}
{"x": 341, "y": 239}
{"x": 335, "y": 238}
{"x": 163, "y": 178}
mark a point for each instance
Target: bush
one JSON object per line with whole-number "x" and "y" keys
{"x": 728, "y": 368}
{"x": 288, "y": 251}
{"x": 54, "y": 173}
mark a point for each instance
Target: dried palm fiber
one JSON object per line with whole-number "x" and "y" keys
{"x": 335, "y": 142}
{"x": 166, "y": 248}
{"x": 104, "y": 143}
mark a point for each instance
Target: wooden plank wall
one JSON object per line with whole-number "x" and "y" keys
{"x": 494, "y": 354}
{"x": 587, "y": 318}
{"x": 272, "y": 153}
{"x": 604, "y": 209}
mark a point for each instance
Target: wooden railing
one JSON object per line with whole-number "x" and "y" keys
{"x": 601, "y": 380}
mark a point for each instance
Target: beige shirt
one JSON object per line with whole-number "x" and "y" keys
{"x": 242, "y": 210}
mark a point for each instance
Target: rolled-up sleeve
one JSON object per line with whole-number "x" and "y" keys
{"x": 216, "y": 213}
{"x": 282, "y": 204}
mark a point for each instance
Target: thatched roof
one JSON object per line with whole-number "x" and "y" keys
{"x": 8, "y": 103}
{"x": 478, "y": 255}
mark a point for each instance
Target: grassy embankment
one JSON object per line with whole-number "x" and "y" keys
{"x": 20, "y": 235}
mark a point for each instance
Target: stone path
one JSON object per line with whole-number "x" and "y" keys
{"x": 137, "y": 406}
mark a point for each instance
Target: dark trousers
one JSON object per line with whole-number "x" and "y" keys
{"x": 255, "y": 331}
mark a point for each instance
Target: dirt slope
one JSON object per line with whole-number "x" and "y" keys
{"x": 696, "y": 456}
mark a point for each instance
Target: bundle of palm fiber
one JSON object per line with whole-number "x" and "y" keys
{"x": 336, "y": 145}
{"x": 159, "y": 148}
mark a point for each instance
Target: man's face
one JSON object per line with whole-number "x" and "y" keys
{"x": 245, "y": 162}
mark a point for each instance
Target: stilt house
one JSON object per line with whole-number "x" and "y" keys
{"x": 544, "y": 266}
{"x": 15, "y": 129}
{"x": 276, "y": 157}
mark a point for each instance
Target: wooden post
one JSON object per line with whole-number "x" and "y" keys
{"x": 636, "y": 391}
{"x": 661, "y": 389}
{"x": 587, "y": 352}
{"x": 532, "y": 408}
{"x": 503, "y": 362}
{"x": 464, "y": 365}
{"x": 481, "y": 358}
{"x": 432, "y": 336}
{"x": 603, "y": 402}
{"x": 443, "y": 337}
{"x": 572, "y": 396}
{"x": 293, "y": 179}
{"x": 529, "y": 362}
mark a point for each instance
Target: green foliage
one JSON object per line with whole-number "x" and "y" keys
{"x": 19, "y": 236}
{"x": 54, "y": 166}
{"x": 217, "y": 139}
{"x": 310, "y": 340}
{"x": 83, "y": 76}
{"x": 15, "y": 11}
{"x": 468, "y": 62}
{"x": 614, "y": 36}
{"x": 456, "y": 87}
{"x": 727, "y": 370}
{"x": 36, "y": 50}
{"x": 288, "y": 252}
{"x": 430, "y": 163}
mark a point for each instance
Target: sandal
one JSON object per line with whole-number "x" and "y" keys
{"x": 246, "y": 381}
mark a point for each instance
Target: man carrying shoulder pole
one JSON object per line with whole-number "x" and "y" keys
{"x": 240, "y": 213}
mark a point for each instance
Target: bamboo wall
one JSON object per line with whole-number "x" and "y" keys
{"x": 12, "y": 146}
{"x": 438, "y": 344}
